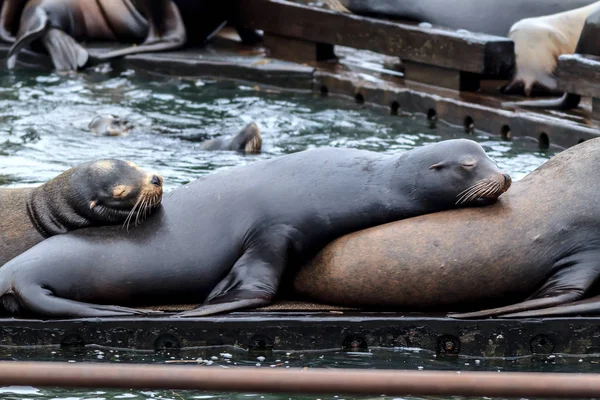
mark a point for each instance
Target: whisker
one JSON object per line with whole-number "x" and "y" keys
{"x": 130, "y": 215}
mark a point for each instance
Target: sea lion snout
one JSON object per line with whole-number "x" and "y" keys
{"x": 507, "y": 181}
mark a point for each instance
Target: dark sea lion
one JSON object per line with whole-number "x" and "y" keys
{"x": 486, "y": 16}
{"x": 109, "y": 125}
{"x": 226, "y": 238}
{"x": 101, "y": 192}
{"x": 248, "y": 140}
{"x": 10, "y": 14}
{"x": 58, "y": 24}
{"x": 536, "y": 248}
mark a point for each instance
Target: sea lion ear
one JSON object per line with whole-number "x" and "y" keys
{"x": 92, "y": 204}
{"x": 439, "y": 165}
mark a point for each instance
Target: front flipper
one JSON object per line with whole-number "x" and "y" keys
{"x": 573, "y": 277}
{"x": 173, "y": 35}
{"x": 253, "y": 280}
{"x": 36, "y": 26}
{"x": 589, "y": 306}
{"x": 66, "y": 53}
{"x": 40, "y": 301}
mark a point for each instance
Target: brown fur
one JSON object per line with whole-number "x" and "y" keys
{"x": 544, "y": 231}
{"x": 17, "y": 233}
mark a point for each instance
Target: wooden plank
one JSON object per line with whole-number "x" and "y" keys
{"x": 297, "y": 49}
{"x": 443, "y": 77}
{"x": 579, "y": 74}
{"x": 471, "y": 52}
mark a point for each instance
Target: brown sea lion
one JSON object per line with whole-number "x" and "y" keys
{"x": 538, "y": 247}
{"x": 155, "y": 25}
{"x": 102, "y": 192}
{"x": 226, "y": 239}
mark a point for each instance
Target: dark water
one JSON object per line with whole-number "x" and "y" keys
{"x": 43, "y": 131}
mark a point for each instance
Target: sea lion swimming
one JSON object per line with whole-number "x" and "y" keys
{"x": 248, "y": 141}
{"x": 537, "y": 248}
{"x": 225, "y": 239}
{"x": 109, "y": 125}
{"x": 101, "y": 192}
{"x": 58, "y": 24}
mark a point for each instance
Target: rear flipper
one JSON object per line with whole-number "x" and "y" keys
{"x": 42, "y": 302}
{"x": 173, "y": 35}
{"x": 589, "y": 306}
{"x": 566, "y": 102}
{"x": 253, "y": 280}
{"x": 36, "y": 28}
{"x": 573, "y": 277}
{"x": 66, "y": 53}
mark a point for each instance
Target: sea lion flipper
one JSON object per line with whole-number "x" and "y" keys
{"x": 66, "y": 53}
{"x": 582, "y": 307}
{"x": 254, "y": 278}
{"x": 34, "y": 29}
{"x": 574, "y": 276}
{"x": 248, "y": 140}
{"x": 43, "y": 302}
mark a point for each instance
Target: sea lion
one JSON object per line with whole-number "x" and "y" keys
{"x": 10, "y": 14}
{"x": 541, "y": 29}
{"x": 226, "y": 238}
{"x": 536, "y": 248}
{"x": 586, "y": 44}
{"x": 485, "y": 16}
{"x": 248, "y": 140}
{"x": 101, "y": 192}
{"x": 109, "y": 125}
{"x": 540, "y": 41}
{"x": 58, "y": 24}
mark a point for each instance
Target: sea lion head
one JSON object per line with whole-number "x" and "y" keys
{"x": 109, "y": 125}
{"x": 115, "y": 191}
{"x": 248, "y": 140}
{"x": 459, "y": 171}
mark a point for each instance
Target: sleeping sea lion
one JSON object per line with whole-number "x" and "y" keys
{"x": 102, "y": 192}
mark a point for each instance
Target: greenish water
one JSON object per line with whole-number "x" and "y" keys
{"x": 43, "y": 131}
{"x": 44, "y": 118}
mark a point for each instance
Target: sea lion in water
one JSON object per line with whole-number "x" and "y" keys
{"x": 226, "y": 238}
{"x": 101, "y": 192}
{"x": 536, "y": 248}
{"x": 248, "y": 140}
{"x": 58, "y": 24}
{"x": 109, "y": 125}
